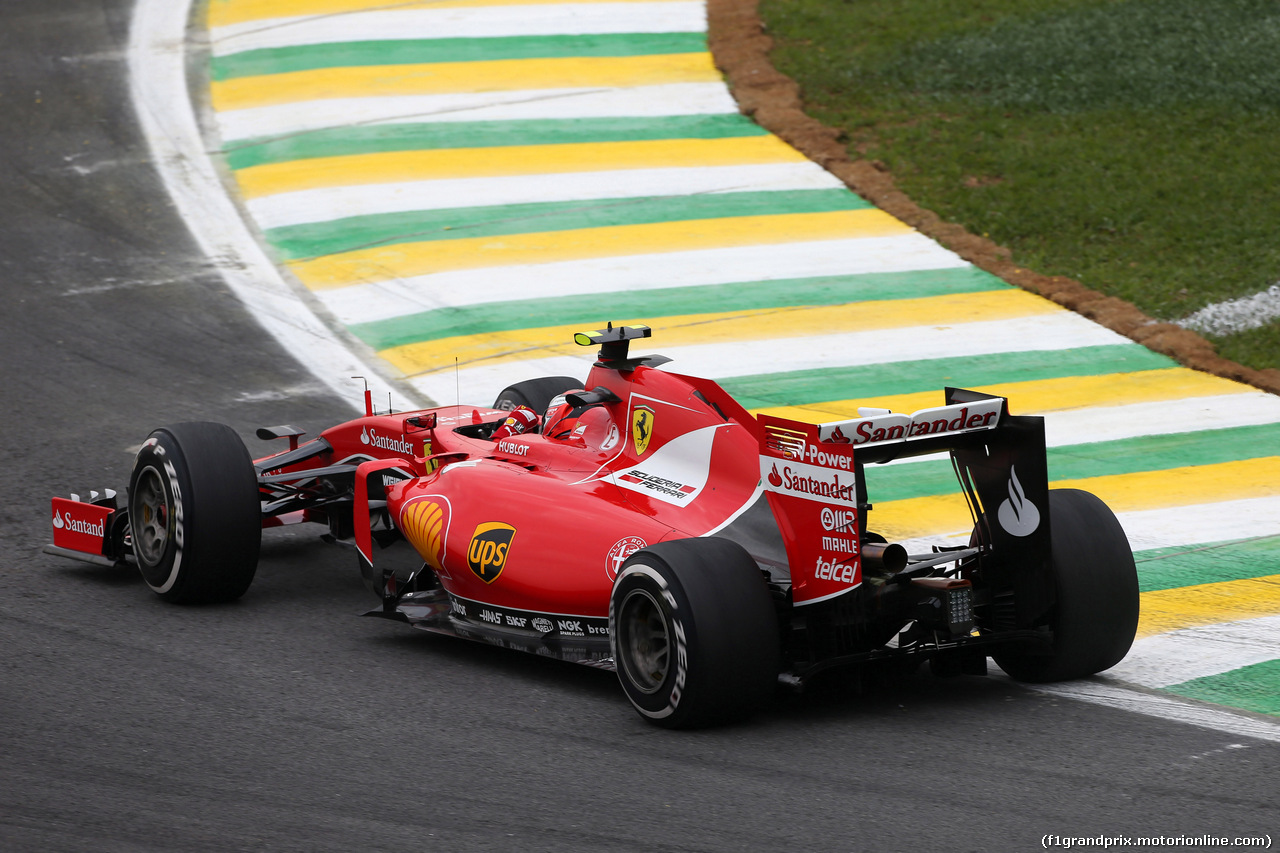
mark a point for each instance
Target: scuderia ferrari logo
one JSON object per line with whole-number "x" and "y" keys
{"x": 489, "y": 547}
{"x": 641, "y": 428}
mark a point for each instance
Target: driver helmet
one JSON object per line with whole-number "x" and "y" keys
{"x": 520, "y": 420}
{"x": 562, "y": 416}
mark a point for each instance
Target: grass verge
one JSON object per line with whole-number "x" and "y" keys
{"x": 1129, "y": 144}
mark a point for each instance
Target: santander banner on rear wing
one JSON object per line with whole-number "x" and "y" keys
{"x": 884, "y": 427}
{"x": 812, "y": 489}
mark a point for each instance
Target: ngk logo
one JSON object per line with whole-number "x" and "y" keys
{"x": 844, "y": 520}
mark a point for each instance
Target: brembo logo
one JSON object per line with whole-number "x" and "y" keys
{"x": 487, "y": 553}
{"x": 396, "y": 445}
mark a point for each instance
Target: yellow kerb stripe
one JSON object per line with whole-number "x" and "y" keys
{"x": 1038, "y": 397}
{"x": 605, "y": 72}
{"x": 1226, "y": 481}
{"x": 406, "y": 260}
{"x": 1208, "y": 604}
{"x": 404, "y": 166}
{"x": 225, "y": 12}
{"x": 726, "y": 327}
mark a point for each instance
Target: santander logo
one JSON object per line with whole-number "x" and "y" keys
{"x": 396, "y": 445}
{"x": 1018, "y": 515}
{"x": 775, "y": 479}
{"x": 65, "y": 521}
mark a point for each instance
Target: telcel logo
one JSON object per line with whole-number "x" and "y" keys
{"x": 487, "y": 553}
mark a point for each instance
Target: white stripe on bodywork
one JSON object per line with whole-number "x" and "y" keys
{"x": 365, "y": 303}
{"x": 668, "y": 99}
{"x": 332, "y": 203}
{"x": 460, "y": 22}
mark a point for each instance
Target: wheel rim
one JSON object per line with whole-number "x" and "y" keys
{"x": 151, "y": 517}
{"x": 644, "y": 641}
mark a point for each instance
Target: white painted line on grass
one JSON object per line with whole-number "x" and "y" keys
{"x": 461, "y": 22}
{"x": 158, "y": 84}
{"x": 669, "y": 99}
{"x": 1236, "y": 315}
{"x": 333, "y": 203}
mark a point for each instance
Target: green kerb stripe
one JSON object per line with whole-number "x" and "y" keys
{"x": 1170, "y": 568}
{"x": 281, "y": 60}
{"x": 1078, "y": 461}
{"x": 376, "y": 139}
{"x": 1253, "y": 688}
{"x": 908, "y": 377}
{"x": 345, "y": 235}
{"x": 486, "y": 318}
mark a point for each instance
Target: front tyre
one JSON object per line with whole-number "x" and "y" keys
{"x": 1095, "y": 614}
{"x": 194, "y": 513}
{"x": 694, "y": 633}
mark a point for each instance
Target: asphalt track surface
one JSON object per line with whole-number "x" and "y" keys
{"x": 283, "y": 722}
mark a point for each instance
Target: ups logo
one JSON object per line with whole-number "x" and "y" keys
{"x": 489, "y": 547}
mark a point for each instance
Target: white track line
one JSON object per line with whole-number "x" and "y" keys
{"x": 1188, "y": 653}
{"x": 669, "y": 99}
{"x": 475, "y": 22}
{"x": 364, "y": 303}
{"x": 1098, "y": 691}
{"x": 158, "y": 84}
{"x": 332, "y": 203}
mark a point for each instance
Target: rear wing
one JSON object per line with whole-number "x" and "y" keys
{"x": 813, "y": 475}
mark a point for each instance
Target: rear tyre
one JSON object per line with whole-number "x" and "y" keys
{"x": 1095, "y": 614}
{"x": 537, "y": 394}
{"x": 694, "y": 633}
{"x": 194, "y": 513}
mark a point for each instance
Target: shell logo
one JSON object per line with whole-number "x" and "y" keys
{"x": 425, "y": 523}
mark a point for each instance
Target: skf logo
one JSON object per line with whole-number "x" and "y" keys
{"x": 425, "y": 523}
{"x": 641, "y": 428}
{"x": 489, "y": 547}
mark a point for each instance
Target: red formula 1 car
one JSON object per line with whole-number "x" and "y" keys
{"x": 653, "y": 526}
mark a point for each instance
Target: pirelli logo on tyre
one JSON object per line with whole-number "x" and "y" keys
{"x": 490, "y": 545}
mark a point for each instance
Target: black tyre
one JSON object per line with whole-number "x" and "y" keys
{"x": 694, "y": 633}
{"x": 1095, "y": 615}
{"x": 194, "y": 513}
{"x": 537, "y": 394}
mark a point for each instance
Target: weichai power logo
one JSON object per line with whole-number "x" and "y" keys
{"x": 425, "y": 524}
{"x": 487, "y": 553}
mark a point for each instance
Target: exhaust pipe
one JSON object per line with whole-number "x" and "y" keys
{"x": 884, "y": 557}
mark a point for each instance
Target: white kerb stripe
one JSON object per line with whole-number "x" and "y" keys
{"x": 1191, "y": 653}
{"x": 1170, "y": 527}
{"x": 1058, "y": 330}
{"x": 363, "y": 303}
{"x": 474, "y": 22}
{"x": 668, "y": 99}
{"x": 332, "y": 203}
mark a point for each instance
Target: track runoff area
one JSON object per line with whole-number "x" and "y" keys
{"x": 464, "y": 183}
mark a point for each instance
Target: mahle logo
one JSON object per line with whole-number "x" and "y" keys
{"x": 641, "y": 428}
{"x": 489, "y": 547}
